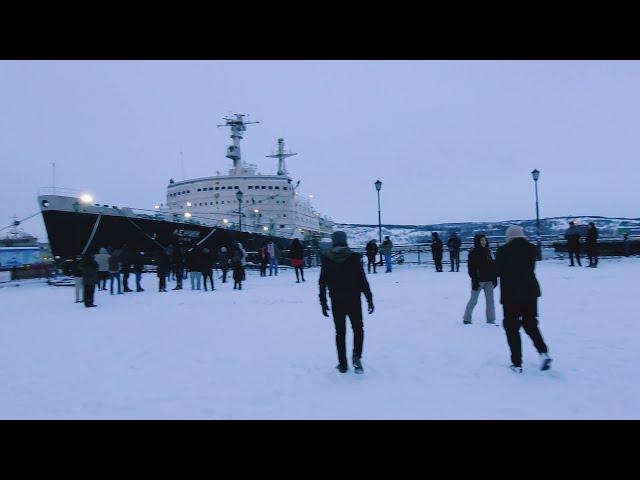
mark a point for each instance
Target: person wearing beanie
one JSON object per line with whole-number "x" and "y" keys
{"x": 519, "y": 292}
{"x": 572, "y": 235}
{"x": 481, "y": 268}
{"x": 343, "y": 274}
{"x": 223, "y": 261}
{"x": 103, "y": 268}
{"x": 372, "y": 251}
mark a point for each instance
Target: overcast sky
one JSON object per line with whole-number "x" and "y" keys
{"x": 451, "y": 141}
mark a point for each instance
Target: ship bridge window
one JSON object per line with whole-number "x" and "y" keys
{"x": 236, "y": 187}
{"x": 217, "y": 188}
{"x": 222, "y": 201}
{"x": 249, "y": 187}
{"x": 284, "y": 188}
{"x": 210, "y": 188}
{"x": 281, "y": 226}
{"x": 263, "y": 187}
{"x": 223, "y": 188}
{"x": 277, "y": 188}
{"x": 270, "y": 187}
{"x": 199, "y": 189}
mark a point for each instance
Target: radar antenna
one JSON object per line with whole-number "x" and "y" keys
{"x": 281, "y": 155}
{"x": 238, "y": 126}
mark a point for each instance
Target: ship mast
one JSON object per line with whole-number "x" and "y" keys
{"x": 282, "y": 168}
{"x": 238, "y": 126}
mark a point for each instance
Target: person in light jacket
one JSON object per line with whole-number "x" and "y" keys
{"x": 103, "y": 268}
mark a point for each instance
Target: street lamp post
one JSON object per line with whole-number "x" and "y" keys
{"x": 378, "y": 185}
{"x": 239, "y": 197}
{"x": 536, "y": 174}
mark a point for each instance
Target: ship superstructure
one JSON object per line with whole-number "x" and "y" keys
{"x": 243, "y": 205}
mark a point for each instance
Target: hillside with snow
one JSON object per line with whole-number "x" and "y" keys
{"x": 360, "y": 234}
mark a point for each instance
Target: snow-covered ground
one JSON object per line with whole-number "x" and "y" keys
{"x": 266, "y": 352}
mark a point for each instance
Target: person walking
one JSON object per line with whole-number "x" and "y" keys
{"x": 482, "y": 271}
{"x": 125, "y": 266}
{"x": 372, "y": 251}
{"x": 343, "y": 275}
{"x": 519, "y": 292}
{"x": 592, "y": 245}
{"x": 177, "y": 261}
{"x": 89, "y": 279}
{"x": 114, "y": 271}
{"x": 274, "y": 257}
{"x": 572, "y": 235}
{"x": 454, "y": 251}
{"x": 76, "y": 269}
{"x": 264, "y": 260}
{"x": 297, "y": 259}
{"x": 237, "y": 266}
{"x": 163, "y": 264}
{"x": 205, "y": 261}
{"x": 138, "y": 267}
{"x": 436, "y": 250}
{"x": 191, "y": 263}
{"x": 103, "y": 268}
{"x": 223, "y": 261}
{"x": 385, "y": 249}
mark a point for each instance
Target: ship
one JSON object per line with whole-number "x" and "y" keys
{"x": 242, "y": 206}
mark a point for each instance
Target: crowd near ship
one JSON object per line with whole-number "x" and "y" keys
{"x": 242, "y": 206}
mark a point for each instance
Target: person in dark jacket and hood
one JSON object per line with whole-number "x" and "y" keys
{"x": 592, "y": 245}
{"x": 138, "y": 267}
{"x": 454, "y": 251}
{"x": 205, "y": 262}
{"x": 482, "y": 271}
{"x": 163, "y": 263}
{"x": 125, "y": 265}
{"x": 343, "y": 275}
{"x": 237, "y": 265}
{"x": 519, "y": 292}
{"x": 436, "y": 250}
{"x": 572, "y": 235}
{"x": 372, "y": 251}
{"x": 297, "y": 258}
{"x": 223, "y": 261}
{"x": 89, "y": 279}
{"x": 177, "y": 262}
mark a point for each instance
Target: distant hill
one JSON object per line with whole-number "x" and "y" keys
{"x": 359, "y": 234}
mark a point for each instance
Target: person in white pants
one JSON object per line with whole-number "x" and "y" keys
{"x": 482, "y": 271}
{"x": 77, "y": 279}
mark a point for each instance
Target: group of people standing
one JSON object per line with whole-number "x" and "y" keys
{"x": 109, "y": 264}
{"x": 572, "y": 236}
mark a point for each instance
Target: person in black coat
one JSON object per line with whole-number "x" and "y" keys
{"x": 481, "y": 269}
{"x": 572, "y": 235}
{"x": 592, "y": 245}
{"x": 436, "y": 250}
{"x": 177, "y": 262}
{"x": 163, "y": 263}
{"x": 264, "y": 260}
{"x": 205, "y": 262}
{"x": 372, "y": 251}
{"x": 297, "y": 259}
{"x": 125, "y": 265}
{"x": 138, "y": 267}
{"x": 90, "y": 277}
{"x": 453, "y": 244}
{"x": 343, "y": 275}
{"x": 223, "y": 261}
{"x": 237, "y": 265}
{"x": 519, "y": 292}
